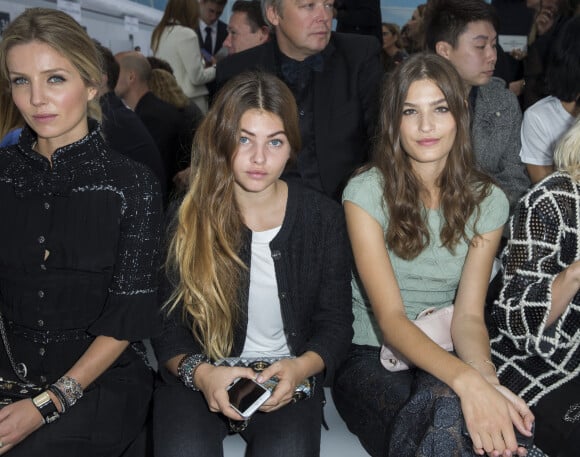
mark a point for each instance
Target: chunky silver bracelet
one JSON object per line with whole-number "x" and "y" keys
{"x": 70, "y": 389}
{"x": 187, "y": 366}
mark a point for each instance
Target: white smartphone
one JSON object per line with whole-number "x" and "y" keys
{"x": 246, "y": 396}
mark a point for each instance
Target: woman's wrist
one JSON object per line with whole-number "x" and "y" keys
{"x": 68, "y": 390}
{"x": 46, "y": 406}
{"x": 309, "y": 364}
{"x": 57, "y": 399}
{"x": 187, "y": 368}
{"x": 486, "y": 368}
{"x": 466, "y": 381}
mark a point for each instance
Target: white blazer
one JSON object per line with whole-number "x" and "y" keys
{"x": 179, "y": 46}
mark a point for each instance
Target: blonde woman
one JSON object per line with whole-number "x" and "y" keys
{"x": 174, "y": 39}
{"x": 259, "y": 268}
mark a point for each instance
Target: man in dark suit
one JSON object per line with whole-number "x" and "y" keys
{"x": 335, "y": 79}
{"x": 211, "y": 32}
{"x": 122, "y": 128}
{"x": 163, "y": 121}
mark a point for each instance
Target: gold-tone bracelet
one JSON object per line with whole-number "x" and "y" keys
{"x": 473, "y": 363}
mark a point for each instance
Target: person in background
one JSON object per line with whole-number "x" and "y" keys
{"x": 210, "y": 30}
{"x": 123, "y": 130}
{"x": 551, "y": 16}
{"x": 516, "y": 18}
{"x": 247, "y": 27}
{"x": 393, "y": 53}
{"x": 156, "y": 62}
{"x": 11, "y": 121}
{"x": 424, "y": 225}
{"x": 335, "y": 80}
{"x": 175, "y": 40}
{"x": 548, "y": 119}
{"x": 80, "y": 252}
{"x": 165, "y": 87}
{"x": 359, "y": 16}
{"x": 464, "y": 32}
{"x": 257, "y": 268}
{"x": 536, "y": 320}
{"x": 412, "y": 33}
{"x": 163, "y": 120}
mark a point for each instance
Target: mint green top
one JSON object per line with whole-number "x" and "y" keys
{"x": 431, "y": 278}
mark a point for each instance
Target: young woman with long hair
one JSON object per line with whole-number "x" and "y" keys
{"x": 257, "y": 268}
{"x": 424, "y": 225}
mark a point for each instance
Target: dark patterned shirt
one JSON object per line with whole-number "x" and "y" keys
{"x": 79, "y": 250}
{"x": 533, "y": 359}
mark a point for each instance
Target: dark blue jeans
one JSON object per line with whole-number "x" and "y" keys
{"x": 407, "y": 413}
{"x": 184, "y": 426}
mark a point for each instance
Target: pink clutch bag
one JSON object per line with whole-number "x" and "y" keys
{"x": 436, "y": 324}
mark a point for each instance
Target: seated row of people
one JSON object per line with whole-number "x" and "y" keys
{"x": 257, "y": 281}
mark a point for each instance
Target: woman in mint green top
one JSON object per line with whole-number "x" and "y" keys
{"x": 431, "y": 278}
{"x": 425, "y": 225}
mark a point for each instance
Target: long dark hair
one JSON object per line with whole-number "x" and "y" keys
{"x": 462, "y": 186}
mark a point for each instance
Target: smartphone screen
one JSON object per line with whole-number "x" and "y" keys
{"x": 245, "y": 393}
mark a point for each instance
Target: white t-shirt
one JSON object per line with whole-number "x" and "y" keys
{"x": 265, "y": 334}
{"x": 543, "y": 124}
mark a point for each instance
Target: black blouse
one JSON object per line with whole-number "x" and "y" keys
{"x": 78, "y": 250}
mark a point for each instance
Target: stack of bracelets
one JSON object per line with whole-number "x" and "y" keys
{"x": 187, "y": 366}
{"x": 67, "y": 390}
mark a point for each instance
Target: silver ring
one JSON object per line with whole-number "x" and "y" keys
{"x": 1, "y": 444}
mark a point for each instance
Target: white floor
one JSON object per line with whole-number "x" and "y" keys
{"x": 335, "y": 442}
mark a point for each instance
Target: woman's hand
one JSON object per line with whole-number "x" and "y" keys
{"x": 522, "y": 416}
{"x": 17, "y": 421}
{"x": 490, "y": 413}
{"x": 213, "y": 383}
{"x": 290, "y": 374}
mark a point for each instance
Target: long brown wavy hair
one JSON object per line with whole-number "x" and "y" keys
{"x": 177, "y": 12}
{"x": 203, "y": 256}
{"x": 462, "y": 186}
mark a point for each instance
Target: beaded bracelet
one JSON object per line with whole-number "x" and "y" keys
{"x": 187, "y": 366}
{"x": 70, "y": 389}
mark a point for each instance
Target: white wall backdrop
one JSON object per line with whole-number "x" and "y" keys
{"x": 104, "y": 20}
